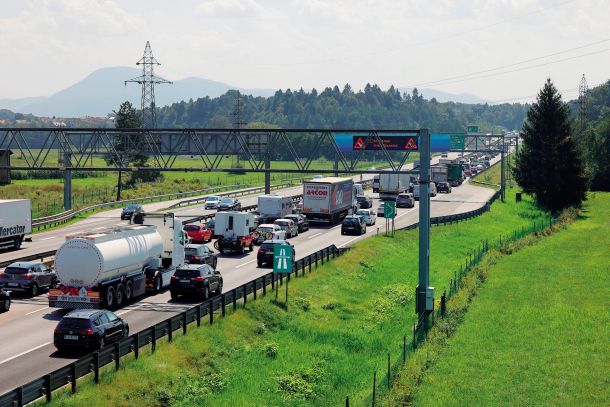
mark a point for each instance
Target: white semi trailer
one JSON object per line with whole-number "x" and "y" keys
{"x": 110, "y": 267}
{"x": 15, "y": 222}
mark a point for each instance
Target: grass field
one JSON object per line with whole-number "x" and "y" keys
{"x": 537, "y": 331}
{"x": 47, "y": 194}
{"x": 342, "y": 320}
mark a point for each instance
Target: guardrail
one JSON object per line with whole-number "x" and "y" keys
{"x": 44, "y": 386}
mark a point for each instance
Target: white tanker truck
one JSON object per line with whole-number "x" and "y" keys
{"x": 109, "y": 267}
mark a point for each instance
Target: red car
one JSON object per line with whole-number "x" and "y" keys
{"x": 198, "y": 233}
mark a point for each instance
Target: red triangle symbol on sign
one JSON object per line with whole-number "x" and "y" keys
{"x": 411, "y": 144}
{"x": 360, "y": 144}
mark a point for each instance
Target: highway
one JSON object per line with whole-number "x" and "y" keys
{"x": 26, "y": 332}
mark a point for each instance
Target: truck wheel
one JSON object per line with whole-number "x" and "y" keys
{"x": 17, "y": 242}
{"x": 34, "y": 290}
{"x": 110, "y": 297}
{"x": 120, "y": 295}
{"x": 158, "y": 285}
{"x": 128, "y": 292}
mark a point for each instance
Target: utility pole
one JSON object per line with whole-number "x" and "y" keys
{"x": 148, "y": 79}
{"x": 502, "y": 169}
{"x": 583, "y": 89}
{"x": 424, "y": 222}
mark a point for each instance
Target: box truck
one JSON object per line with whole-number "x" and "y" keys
{"x": 439, "y": 173}
{"x": 235, "y": 231}
{"x": 15, "y": 222}
{"x": 272, "y": 207}
{"x": 390, "y": 185}
{"x": 110, "y": 267}
{"x": 328, "y": 199}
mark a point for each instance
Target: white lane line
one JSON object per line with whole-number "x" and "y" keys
{"x": 35, "y": 311}
{"x": 312, "y": 236}
{"x": 129, "y": 310}
{"x": 101, "y": 227}
{"x": 24, "y": 353}
{"x": 243, "y": 264}
{"x": 47, "y": 238}
{"x": 118, "y": 224}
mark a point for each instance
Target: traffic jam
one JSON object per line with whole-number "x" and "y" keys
{"x": 96, "y": 273}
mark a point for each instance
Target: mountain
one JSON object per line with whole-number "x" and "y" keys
{"x": 443, "y": 97}
{"x": 103, "y": 91}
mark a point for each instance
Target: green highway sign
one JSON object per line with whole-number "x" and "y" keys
{"x": 456, "y": 141}
{"x": 473, "y": 129}
{"x": 389, "y": 210}
{"x": 282, "y": 259}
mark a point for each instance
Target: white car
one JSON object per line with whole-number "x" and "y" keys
{"x": 369, "y": 216}
{"x": 380, "y": 209}
{"x": 269, "y": 231}
{"x": 212, "y": 202}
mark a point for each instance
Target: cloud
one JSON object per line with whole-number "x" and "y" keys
{"x": 229, "y": 8}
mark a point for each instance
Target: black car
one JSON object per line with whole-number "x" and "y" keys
{"x": 229, "y": 204}
{"x": 364, "y": 202}
{"x": 405, "y": 201}
{"x": 89, "y": 329}
{"x": 200, "y": 254}
{"x": 265, "y": 252}
{"x": 353, "y": 224}
{"x": 28, "y": 277}
{"x": 5, "y": 300}
{"x": 443, "y": 187}
{"x": 300, "y": 220}
{"x": 130, "y": 210}
{"x": 195, "y": 279}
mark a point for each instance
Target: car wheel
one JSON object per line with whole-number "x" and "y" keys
{"x": 120, "y": 295}
{"x": 6, "y": 305}
{"x": 34, "y": 290}
{"x": 110, "y": 297}
{"x": 219, "y": 291}
{"x": 173, "y": 295}
{"x": 101, "y": 343}
{"x": 215, "y": 263}
{"x": 126, "y": 332}
{"x": 206, "y": 293}
{"x": 259, "y": 263}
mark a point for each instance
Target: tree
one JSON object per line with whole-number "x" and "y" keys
{"x": 548, "y": 164}
{"x": 125, "y": 118}
{"x": 596, "y": 145}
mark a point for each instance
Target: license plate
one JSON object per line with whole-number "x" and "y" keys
{"x": 13, "y": 284}
{"x": 71, "y": 337}
{"x": 185, "y": 281}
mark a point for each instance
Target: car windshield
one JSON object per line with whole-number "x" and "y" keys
{"x": 281, "y": 223}
{"x": 73, "y": 323}
{"x": 15, "y": 270}
{"x": 227, "y": 201}
{"x": 265, "y": 230}
{"x": 361, "y": 198}
{"x": 267, "y": 246}
{"x": 350, "y": 222}
{"x": 362, "y": 213}
{"x": 191, "y": 251}
{"x": 213, "y": 198}
{"x": 187, "y": 273}
{"x": 131, "y": 207}
{"x": 191, "y": 227}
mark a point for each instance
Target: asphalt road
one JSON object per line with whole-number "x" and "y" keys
{"x": 26, "y": 332}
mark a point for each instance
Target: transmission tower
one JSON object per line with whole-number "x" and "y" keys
{"x": 583, "y": 89}
{"x": 238, "y": 122}
{"x": 148, "y": 79}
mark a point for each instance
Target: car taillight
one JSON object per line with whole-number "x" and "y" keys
{"x": 261, "y": 251}
{"x": 28, "y": 276}
{"x": 174, "y": 278}
{"x": 198, "y": 278}
{"x": 87, "y": 331}
{"x": 57, "y": 331}
{"x": 196, "y": 258}
{"x": 2, "y": 275}
{"x": 52, "y": 298}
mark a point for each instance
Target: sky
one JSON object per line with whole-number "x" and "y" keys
{"x": 499, "y": 50}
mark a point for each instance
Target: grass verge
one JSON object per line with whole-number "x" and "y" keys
{"x": 341, "y": 321}
{"x": 533, "y": 335}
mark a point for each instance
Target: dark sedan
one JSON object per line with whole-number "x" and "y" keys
{"x": 405, "y": 201}
{"x": 5, "y": 300}
{"x": 353, "y": 224}
{"x": 265, "y": 253}
{"x": 443, "y": 187}
{"x": 89, "y": 329}
{"x": 200, "y": 254}
{"x": 364, "y": 202}
{"x": 300, "y": 220}
{"x": 131, "y": 210}
{"x": 28, "y": 277}
{"x": 229, "y": 204}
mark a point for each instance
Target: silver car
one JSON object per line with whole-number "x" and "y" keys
{"x": 212, "y": 202}
{"x": 289, "y": 226}
{"x": 369, "y": 216}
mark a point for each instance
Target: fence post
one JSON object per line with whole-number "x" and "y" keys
{"x": 245, "y": 289}
{"x": 254, "y": 290}
{"x": 73, "y": 377}
{"x": 117, "y": 355}
{"x": 374, "y": 385}
{"x": 414, "y": 339}
{"x": 264, "y": 286}
{"x": 211, "y": 311}
{"x": 309, "y": 262}
{"x": 223, "y": 301}
{"x": 198, "y": 313}
{"x": 169, "y": 330}
{"x": 443, "y": 303}
{"x": 388, "y": 370}
{"x": 47, "y": 387}
{"x": 184, "y": 323}
{"x": 20, "y": 396}
{"x": 346, "y": 401}
{"x": 136, "y": 349}
{"x": 234, "y": 299}
{"x": 154, "y": 339}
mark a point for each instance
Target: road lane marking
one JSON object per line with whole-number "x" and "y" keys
{"x": 129, "y": 310}
{"x": 243, "y": 264}
{"x": 35, "y": 311}
{"x": 317, "y": 234}
{"x": 24, "y": 353}
{"x": 47, "y": 238}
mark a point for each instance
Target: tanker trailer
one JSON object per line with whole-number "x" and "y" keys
{"x": 110, "y": 267}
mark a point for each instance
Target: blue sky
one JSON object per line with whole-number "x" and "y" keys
{"x": 49, "y": 44}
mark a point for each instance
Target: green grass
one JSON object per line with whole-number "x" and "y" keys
{"x": 537, "y": 331}
{"x": 342, "y": 321}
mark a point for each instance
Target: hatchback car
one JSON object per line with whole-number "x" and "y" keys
{"x": 369, "y": 216}
{"x": 443, "y": 187}
{"x": 5, "y": 300}
{"x": 229, "y": 204}
{"x": 268, "y": 231}
{"x": 131, "y": 210}
{"x": 28, "y": 277}
{"x": 265, "y": 252}
{"x": 212, "y": 202}
{"x": 405, "y": 201}
{"x": 198, "y": 233}
{"x": 289, "y": 226}
{"x": 200, "y": 254}
{"x": 195, "y": 279}
{"x": 364, "y": 202}
{"x": 300, "y": 220}
{"x": 353, "y": 224}
{"x": 89, "y": 329}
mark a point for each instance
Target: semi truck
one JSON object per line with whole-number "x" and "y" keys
{"x": 390, "y": 185}
{"x": 110, "y": 267}
{"x": 439, "y": 173}
{"x": 15, "y": 222}
{"x": 329, "y": 199}
{"x": 272, "y": 207}
{"x": 455, "y": 174}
